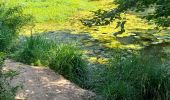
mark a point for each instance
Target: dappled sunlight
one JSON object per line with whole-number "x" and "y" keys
{"x": 119, "y": 49}
{"x": 59, "y": 83}
{"x": 105, "y": 4}
{"x": 134, "y": 22}
{"x": 120, "y": 46}
{"x": 41, "y": 82}
{"x": 56, "y": 10}
{"x": 96, "y": 60}
{"x": 104, "y": 34}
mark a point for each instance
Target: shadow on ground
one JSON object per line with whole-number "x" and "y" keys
{"x": 40, "y": 83}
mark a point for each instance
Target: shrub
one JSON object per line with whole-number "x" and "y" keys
{"x": 137, "y": 77}
{"x": 11, "y": 20}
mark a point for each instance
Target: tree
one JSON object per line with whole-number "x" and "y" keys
{"x": 161, "y": 14}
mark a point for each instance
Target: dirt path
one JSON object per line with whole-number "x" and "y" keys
{"x": 39, "y": 83}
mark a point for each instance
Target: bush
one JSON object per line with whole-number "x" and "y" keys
{"x": 137, "y": 77}
{"x": 63, "y": 58}
{"x": 11, "y": 20}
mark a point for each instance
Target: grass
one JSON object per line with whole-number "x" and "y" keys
{"x": 6, "y": 91}
{"x": 1, "y": 61}
{"x": 65, "y": 59}
{"x": 36, "y": 51}
{"x": 135, "y": 24}
{"x": 69, "y": 63}
{"x": 131, "y": 77}
{"x": 12, "y": 19}
{"x": 52, "y": 10}
{"x": 51, "y": 15}
{"x": 64, "y": 14}
{"x": 134, "y": 77}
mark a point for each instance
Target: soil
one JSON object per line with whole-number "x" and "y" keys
{"x": 41, "y": 83}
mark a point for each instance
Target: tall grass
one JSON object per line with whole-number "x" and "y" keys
{"x": 65, "y": 59}
{"x": 137, "y": 77}
{"x": 36, "y": 50}
{"x": 68, "y": 62}
{"x": 132, "y": 76}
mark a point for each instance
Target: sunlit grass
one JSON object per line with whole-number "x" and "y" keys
{"x": 52, "y": 10}
{"x": 53, "y": 15}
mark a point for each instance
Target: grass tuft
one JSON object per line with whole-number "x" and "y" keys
{"x": 65, "y": 59}
{"x": 69, "y": 63}
{"x": 36, "y": 50}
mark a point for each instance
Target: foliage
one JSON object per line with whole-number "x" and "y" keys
{"x": 132, "y": 76}
{"x": 137, "y": 77}
{"x": 63, "y": 58}
{"x": 11, "y": 20}
{"x": 160, "y": 15}
{"x": 101, "y": 17}
{"x": 37, "y": 50}
{"x": 161, "y": 7}
{"x": 1, "y": 59}
{"x": 6, "y": 91}
{"x": 69, "y": 63}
